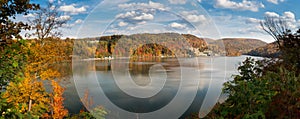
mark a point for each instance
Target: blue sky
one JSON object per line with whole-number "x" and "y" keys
{"x": 204, "y": 18}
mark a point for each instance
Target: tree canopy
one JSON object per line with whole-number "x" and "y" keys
{"x": 9, "y": 9}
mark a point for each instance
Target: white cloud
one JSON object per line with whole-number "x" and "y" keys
{"x": 288, "y": 16}
{"x": 64, "y": 17}
{"x": 145, "y": 12}
{"x": 144, "y": 16}
{"x": 252, "y": 21}
{"x": 271, "y": 14}
{"x": 244, "y": 5}
{"x": 135, "y": 17}
{"x": 78, "y": 21}
{"x": 196, "y": 18}
{"x": 275, "y": 1}
{"x": 121, "y": 24}
{"x": 177, "y": 25}
{"x": 193, "y": 16}
{"x": 139, "y": 13}
{"x": 291, "y": 19}
{"x": 177, "y": 1}
{"x": 150, "y": 5}
{"x": 73, "y": 9}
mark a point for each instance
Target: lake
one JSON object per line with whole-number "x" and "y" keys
{"x": 151, "y": 87}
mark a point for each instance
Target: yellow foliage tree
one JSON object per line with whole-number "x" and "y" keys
{"x": 47, "y": 60}
{"x": 28, "y": 96}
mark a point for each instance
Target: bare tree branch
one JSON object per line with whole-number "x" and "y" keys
{"x": 47, "y": 22}
{"x": 276, "y": 27}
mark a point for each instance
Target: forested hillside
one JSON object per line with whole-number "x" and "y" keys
{"x": 269, "y": 50}
{"x": 234, "y": 46}
{"x": 147, "y": 45}
{"x": 169, "y": 44}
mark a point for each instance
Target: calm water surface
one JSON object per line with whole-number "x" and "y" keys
{"x": 202, "y": 79}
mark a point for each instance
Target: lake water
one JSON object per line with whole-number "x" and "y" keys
{"x": 153, "y": 87}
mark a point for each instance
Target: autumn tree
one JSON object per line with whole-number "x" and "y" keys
{"x": 58, "y": 110}
{"x": 47, "y": 22}
{"x": 27, "y": 65}
{"x": 11, "y": 52}
{"x": 49, "y": 60}
{"x": 45, "y": 62}
{"x": 9, "y": 27}
{"x": 28, "y": 97}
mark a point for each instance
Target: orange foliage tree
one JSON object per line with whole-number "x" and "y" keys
{"x": 50, "y": 61}
{"x": 57, "y": 104}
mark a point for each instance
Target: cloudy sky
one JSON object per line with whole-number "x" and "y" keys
{"x": 204, "y": 18}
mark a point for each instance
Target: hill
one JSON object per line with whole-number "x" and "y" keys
{"x": 234, "y": 46}
{"x": 269, "y": 50}
{"x": 171, "y": 44}
{"x": 148, "y": 45}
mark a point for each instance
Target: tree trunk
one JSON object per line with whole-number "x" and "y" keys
{"x": 29, "y": 107}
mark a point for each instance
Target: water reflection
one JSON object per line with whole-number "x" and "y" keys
{"x": 212, "y": 74}
{"x": 139, "y": 72}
